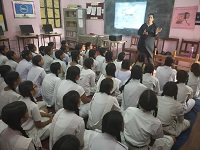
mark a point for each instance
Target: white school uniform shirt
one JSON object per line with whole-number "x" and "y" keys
{"x": 23, "y": 68}
{"x": 140, "y": 126}
{"x": 78, "y": 65}
{"x": 64, "y": 87}
{"x": 87, "y": 81}
{"x": 103, "y": 68}
{"x": 13, "y": 64}
{"x": 47, "y": 62}
{"x": 116, "y": 82}
{"x": 123, "y": 76}
{"x": 66, "y": 122}
{"x": 49, "y": 88}
{"x": 96, "y": 67}
{"x": 2, "y": 84}
{"x": 184, "y": 93}
{"x": 194, "y": 83}
{"x": 101, "y": 104}
{"x": 104, "y": 141}
{"x": 34, "y": 54}
{"x": 118, "y": 64}
{"x": 151, "y": 82}
{"x": 100, "y": 59}
{"x": 165, "y": 74}
{"x": 64, "y": 68}
{"x": 3, "y": 59}
{"x": 131, "y": 93}
{"x": 13, "y": 140}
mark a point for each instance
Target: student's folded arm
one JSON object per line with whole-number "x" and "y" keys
{"x": 180, "y": 119}
{"x": 40, "y": 124}
{"x": 85, "y": 99}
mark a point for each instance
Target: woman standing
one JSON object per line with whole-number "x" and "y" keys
{"x": 148, "y": 31}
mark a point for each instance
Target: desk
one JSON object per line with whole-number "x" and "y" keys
{"x": 115, "y": 42}
{"x": 3, "y": 38}
{"x": 23, "y": 37}
{"x": 49, "y": 35}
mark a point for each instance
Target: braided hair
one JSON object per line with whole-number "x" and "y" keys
{"x": 10, "y": 78}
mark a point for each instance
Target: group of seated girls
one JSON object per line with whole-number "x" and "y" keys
{"x": 100, "y": 103}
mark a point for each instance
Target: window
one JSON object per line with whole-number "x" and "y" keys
{"x": 50, "y": 12}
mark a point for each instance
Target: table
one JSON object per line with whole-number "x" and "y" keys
{"x": 24, "y": 37}
{"x": 49, "y": 35}
{"x": 3, "y": 38}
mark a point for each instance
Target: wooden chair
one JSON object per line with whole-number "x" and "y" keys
{"x": 185, "y": 48}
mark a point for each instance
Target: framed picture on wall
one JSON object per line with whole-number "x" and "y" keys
{"x": 24, "y": 9}
{"x": 2, "y": 17}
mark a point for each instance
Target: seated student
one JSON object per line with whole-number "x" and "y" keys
{"x": 32, "y": 48}
{"x": 109, "y": 59}
{"x": 102, "y": 102}
{"x": 109, "y": 139}
{"x": 75, "y": 59}
{"x": 12, "y": 57}
{"x": 65, "y": 49}
{"x": 59, "y": 58}
{"x": 3, "y": 51}
{"x": 133, "y": 88}
{"x": 81, "y": 49}
{"x": 9, "y": 94}
{"x": 42, "y": 50}
{"x": 118, "y": 61}
{"x": 96, "y": 66}
{"x": 87, "y": 77}
{"x": 47, "y": 58}
{"x": 185, "y": 92}
{"x": 170, "y": 111}
{"x": 124, "y": 73}
{"x": 25, "y": 64}
{"x": 140, "y": 61}
{"x": 67, "y": 120}
{"x": 166, "y": 73}
{"x": 4, "y": 69}
{"x": 101, "y": 58}
{"x": 73, "y": 74}
{"x": 110, "y": 73}
{"x": 37, "y": 126}
{"x": 88, "y": 47}
{"x": 67, "y": 142}
{"x": 194, "y": 79}
{"x": 50, "y": 84}
{"x": 141, "y": 128}
{"x": 14, "y": 137}
{"x": 149, "y": 80}
{"x": 52, "y": 44}
{"x": 36, "y": 74}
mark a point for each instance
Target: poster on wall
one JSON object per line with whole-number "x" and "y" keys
{"x": 184, "y": 17}
{"x": 24, "y": 9}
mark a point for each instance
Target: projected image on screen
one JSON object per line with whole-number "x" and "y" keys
{"x": 129, "y": 14}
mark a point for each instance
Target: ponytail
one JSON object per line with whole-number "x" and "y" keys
{"x": 75, "y": 55}
{"x": 10, "y": 78}
{"x": 55, "y": 67}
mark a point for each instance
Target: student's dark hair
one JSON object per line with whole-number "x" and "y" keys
{"x": 10, "y": 78}
{"x": 102, "y": 50}
{"x": 54, "y": 67}
{"x": 112, "y": 124}
{"x": 110, "y": 69}
{"x": 58, "y": 53}
{"x": 12, "y": 114}
{"x": 25, "y": 53}
{"x": 88, "y": 63}
{"x": 63, "y": 42}
{"x": 74, "y": 55}
{"x": 106, "y": 86}
{"x": 149, "y": 68}
{"x": 67, "y": 142}
{"x": 136, "y": 73}
{"x": 169, "y": 61}
{"x": 87, "y": 45}
{"x": 47, "y": 49}
{"x": 42, "y": 50}
{"x": 10, "y": 54}
{"x": 2, "y": 48}
{"x": 148, "y": 101}
{"x": 36, "y": 59}
{"x": 51, "y": 44}
{"x": 71, "y": 101}
{"x": 92, "y": 52}
{"x": 125, "y": 64}
{"x": 151, "y": 14}
{"x": 182, "y": 76}
{"x": 31, "y": 47}
{"x": 25, "y": 89}
{"x": 63, "y": 48}
{"x": 109, "y": 56}
{"x": 170, "y": 89}
{"x": 141, "y": 57}
{"x": 195, "y": 68}
{"x": 121, "y": 56}
{"x": 78, "y": 47}
{"x": 72, "y": 73}
{"x": 4, "y": 69}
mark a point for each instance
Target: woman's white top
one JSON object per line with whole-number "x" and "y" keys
{"x": 101, "y": 60}
{"x": 3, "y": 59}
{"x": 66, "y": 122}
{"x": 2, "y": 84}
{"x": 194, "y": 83}
{"x": 151, "y": 82}
{"x": 96, "y": 66}
{"x": 78, "y": 65}
{"x": 23, "y": 68}
{"x": 103, "y": 68}
{"x": 184, "y": 93}
{"x": 118, "y": 64}
{"x": 13, "y": 64}
{"x": 123, "y": 76}
{"x": 49, "y": 87}
{"x": 131, "y": 93}
{"x": 47, "y": 62}
{"x": 64, "y": 67}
